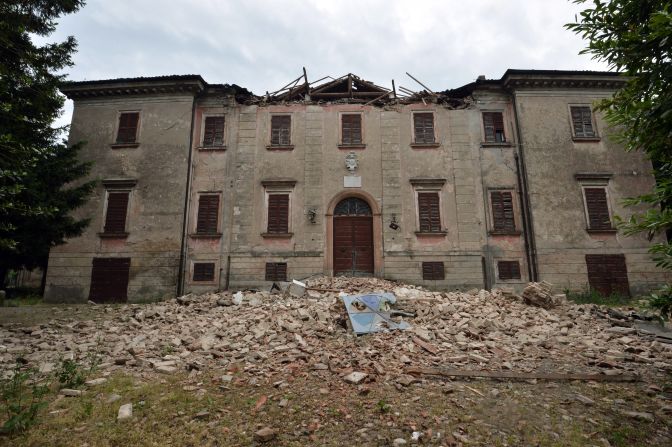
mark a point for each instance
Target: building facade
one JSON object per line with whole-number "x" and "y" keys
{"x": 207, "y": 187}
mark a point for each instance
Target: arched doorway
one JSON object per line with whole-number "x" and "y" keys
{"x": 353, "y": 238}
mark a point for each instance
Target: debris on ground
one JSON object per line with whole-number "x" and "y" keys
{"x": 256, "y": 334}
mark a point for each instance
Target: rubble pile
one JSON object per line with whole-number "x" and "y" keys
{"x": 270, "y": 335}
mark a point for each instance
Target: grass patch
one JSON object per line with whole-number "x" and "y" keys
{"x": 594, "y": 297}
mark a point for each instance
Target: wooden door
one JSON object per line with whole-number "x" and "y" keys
{"x": 353, "y": 238}
{"x": 608, "y": 274}
{"x": 109, "y": 280}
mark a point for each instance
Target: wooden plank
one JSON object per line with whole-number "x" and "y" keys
{"x": 448, "y": 373}
{"x": 426, "y": 346}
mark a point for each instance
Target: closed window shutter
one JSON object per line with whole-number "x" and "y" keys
{"x": 280, "y": 130}
{"x": 276, "y": 271}
{"x": 424, "y": 127}
{"x": 433, "y": 271}
{"x": 213, "y": 134}
{"x": 508, "y": 270}
{"x": 115, "y": 217}
{"x": 502, "y": 211}
{"x": 204, "y": 271}
{"x": 598, "y": 209}
{"x": 582, "y": 122}
{"x": 109, "y": 279}
{"x": 351, "y": 129}
{"x": 128, "y": 127}
{"x": 429, "y": 212}
{"x": 608, "y": 274}
{"x": 278, "y": 213}
{"x": 493, "y": 122}
{"x": 208, "y": 213}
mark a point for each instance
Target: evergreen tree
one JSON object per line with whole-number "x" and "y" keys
{"x": 36, "y": 166}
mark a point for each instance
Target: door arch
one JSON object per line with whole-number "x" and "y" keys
{"x": 354, "y": 235}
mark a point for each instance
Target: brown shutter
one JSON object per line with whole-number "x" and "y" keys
{"x": 109, "y": 279}
{"x": 278, "y": 213}
{"x": 204, "y": 271}
{"x": 502, "y": 211}
{"x": 582, "y": 121}
{"x": 128, "y": 127}
{"x": 276, "y": 271}
{"x": 351, "y": 128}
{"x": 424, "y": 127}
{"x": 608, "y": 274}
{"x": 281, "y": 130}
{"x": 433, "y": 271}
{"x": 115, "y": 217}
{"x": 493, "y": 123}
{"x": 208, "y": 213}
{"x": 598, "y": 209}
{"x": 428, "y": 212}
{"x": 508, "y": 270}
{"x": 213, "y": 134}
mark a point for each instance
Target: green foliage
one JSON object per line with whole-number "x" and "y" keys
{"x": 383, "y": 407}
{"x": 72, "y": 374}
{"x": 662, "y": 301}
{"x": 592, "y": 296}
{"x": 35, "y": 164}
{"x": 22, "y": 395}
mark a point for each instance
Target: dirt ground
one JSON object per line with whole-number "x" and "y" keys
{"x": 307, "y": 407}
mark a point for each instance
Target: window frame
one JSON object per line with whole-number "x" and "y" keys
{"x": 509, "y": 260}
{"x": 442, "y": 276}
{"x": 515, "y": 210}
{"x": 117, "y": 186}
{"x": 575, "y": 137}
{"x": 280, "y": 147}
{"x": 130, "y": 144}
{"x": 426, "y": 185}
{"x": 596, "y": 180}
{"x": 278, "y": 187}
{"x": 218, "y": 232}
{"x": 216, "y": 272}
{"x": 485, "y": 142}
{"x": 414, "y": 138}
{"x": 202, "y": 146}
{"x": 266, "y": 277}
{"x": 342, "y": 144}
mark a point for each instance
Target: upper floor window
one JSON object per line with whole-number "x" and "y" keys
{"x": 582, "y": 122}
{"x": 207, "y": 220}
{"x": 281, "y": 130}
{"x": 213, "y": 131}
{"x": 493, "y": 126}
{"x": 351, "y": 129}
{"x": 117, "y": 199}
{"x": 127, "y": 131}
{"x": 503, "y": 219}
{"x": 278, "y": 196}
{"x": 597, "y": 208}
{"x": 423, "y": 128}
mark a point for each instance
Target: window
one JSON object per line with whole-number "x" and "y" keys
{"x": 503, "y": 220}
{"x": 351, "y": 129}
{"x": 115, "y": 215}
{"x": 278, "y": 213}
{"x": 204, "y": 271}
{"x": 433, "y": 271}
{"x": 582, "y": 122}
{"x": 597, "y": 208}
{"x": 213, "y": 131}
{"x": 493, "y": 125}
{"x": 423, "y": 126}
{"x": 608, "y": 274}
{"x": 429, "y": 213}
{"x": 507, "y": 270}
{"x": 208, "y": 214}
{"x": 276, "y": 271}
{"x": 109, "y": 279}
{"x": 128, "y": 127}
{"x": 281, "y": 130}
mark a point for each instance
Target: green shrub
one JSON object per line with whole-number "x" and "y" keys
{"x": 592, "y": 296}
{"x": 662, "y": 301}
{"x": 22, "y": 396}
{"x": 71, "y": 374}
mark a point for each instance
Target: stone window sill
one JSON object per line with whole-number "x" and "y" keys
{"x": 425, "y": 145}
{"x": 205, "y": 235}
{"x": 602, "y": 230}
{"x": 124, "y": 145}
{"x": 277, "y": 235}
{"x": 113, "y": 235}
{"x": 586, "y": 139}
{"x": 211, "y": 148}
{"x": 352, "y": 146}
{"x": 504, "y": 233}
{"x": 272, "y": 147}
{"x": 431, "y": 233}
{"x": 492, "y": 144}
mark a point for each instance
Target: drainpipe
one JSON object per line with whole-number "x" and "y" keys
{"x": 528, "y": 226}
{"x": 183, "y": 243}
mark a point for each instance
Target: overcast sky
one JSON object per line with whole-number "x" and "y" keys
{"x": 262, "y": 45}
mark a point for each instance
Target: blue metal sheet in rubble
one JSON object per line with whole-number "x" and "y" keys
{"x": 371, "y": 312}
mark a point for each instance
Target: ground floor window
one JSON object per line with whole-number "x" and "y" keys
{"x": 608, "y": 274}
{"x": 109, "y": 279}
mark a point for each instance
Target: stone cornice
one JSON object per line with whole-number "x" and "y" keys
{"x": 190, "y": 84}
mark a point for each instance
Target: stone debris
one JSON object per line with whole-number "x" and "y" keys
{"x": 125, "y": 412}
{"x": 258, "y": 334}
{"x": 355, "y": 377}
{"x": 71, "y": 393}
{"x": 265, "y": 434}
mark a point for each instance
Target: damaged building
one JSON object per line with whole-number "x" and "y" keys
{"x": 208, "y": 186}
